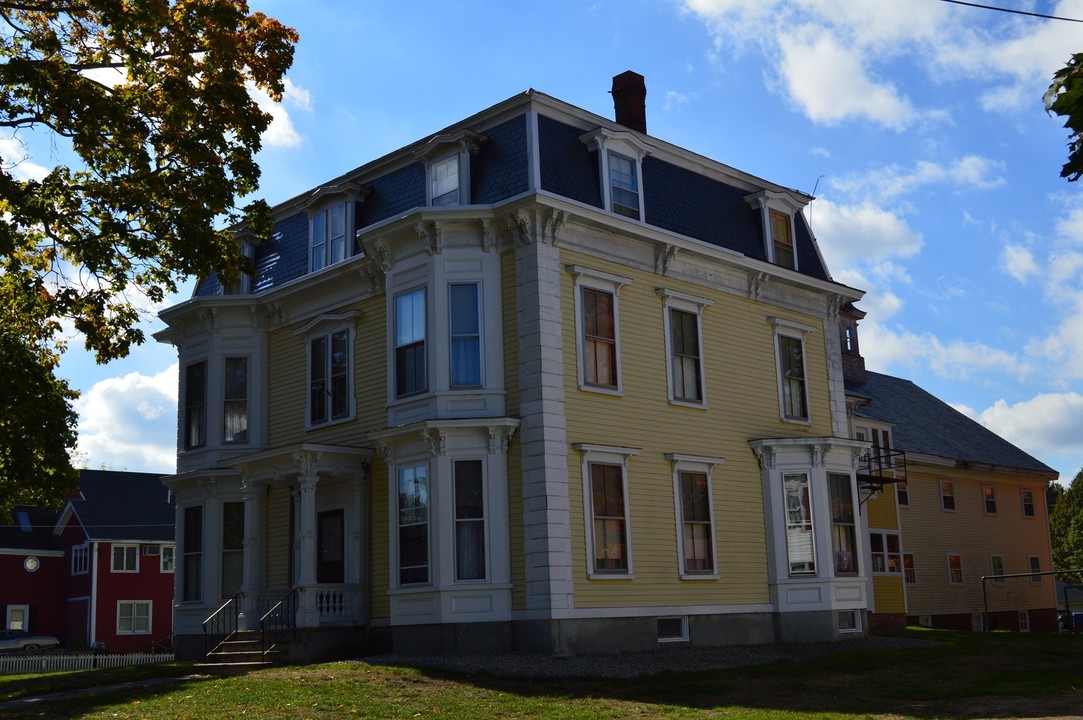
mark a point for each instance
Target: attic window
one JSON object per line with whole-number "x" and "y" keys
{"x": 447, "y": 163}
{"x": 620, "y": 157}
{"x": 777, "y": 210}
{"x": 331, "y": 218}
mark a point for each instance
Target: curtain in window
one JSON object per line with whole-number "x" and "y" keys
{"x": 469, "y": 521}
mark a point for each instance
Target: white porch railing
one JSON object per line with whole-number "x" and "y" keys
{"x": 338, "y": 602}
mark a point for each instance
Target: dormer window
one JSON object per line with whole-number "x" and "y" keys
{"x": 777, "y": 210}
{"x": 445, "y": 181}
{"x": 331, "y": 216}
{"x": 621, "y": 156}
{"x": 447, "y": 161}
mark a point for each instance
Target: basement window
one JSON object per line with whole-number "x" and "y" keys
{"x": 672, "y": 629}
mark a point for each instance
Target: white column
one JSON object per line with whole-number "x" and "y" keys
{"x": 254, "y": 532}
{"x": 306, "y": 559}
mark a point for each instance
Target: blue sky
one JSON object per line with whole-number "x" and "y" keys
{"x": 918, "y": 125}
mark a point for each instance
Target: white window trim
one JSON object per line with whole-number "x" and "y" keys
{"x": 696, "y": 464}
{"x": 605, "y": 455}
{"x": 11, "y": 610}
{"x": 857, "y": 622}
{"x": 1023, "y": 504}
{"x": 1030, "y": 568}
{"x": 885, "y": 572}
{"x": 485, "y": 522}
{"x": 462, "y": 143}
{"x": 992, "y": 568}
{"x": 326, "y": 326}
{"x": 478, "y": 285}
{"x": 172, "y": 553}
{"x": 767, "y": 200}
{"x": 621, "y": 142}
{"x": 954, "y": 498}
{"x": 795, "y": 331}
{"x": 393, "y": 345}
{"x": 150, "y": 617}
{"x": 1024, "y": 621}
{"x": 985, "y": 501}
{"x": 962, "y": 571}
{"x": 247, "y": 357}
{"x": 605, "y": 282}
{"x": 914, "y": 559}
{"x": 395, "y": 524}
{"x": 348, "y": 194}
{"x": 673, "y": 300}
{"x": 113, "y": 557}
{"x": 80, "y": 555}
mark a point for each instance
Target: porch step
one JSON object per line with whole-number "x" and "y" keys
{"x": 241, "y": 653}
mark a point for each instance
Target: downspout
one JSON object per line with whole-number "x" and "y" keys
{"x": 93, "y": 593}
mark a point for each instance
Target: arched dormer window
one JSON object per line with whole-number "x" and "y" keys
{"x": 447, "y": 163}
{"x": 620, "y": 155}
{"x": 777, "y": 210}
{"x": 331, "y": 223}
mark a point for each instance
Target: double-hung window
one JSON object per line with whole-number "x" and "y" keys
{"x": 80, "y": 559}
{"x": 996, "y": 567}
{"x": 843, "y": 526}
{"x": 792, "y": 377}
{"x": 195, "y": 405}
{"x": 955, "y": 569}
{"x": 413, "y": 524}
{"x": 782, "y": 239}
{"x": 947, "y": 495}
{"x": 695, "y": 514}
{"x": 192, "y": 558}
{"x": 464, "y": 320}
{"x": 685, "y": 357}
{"x": 235, "y": 401}
{"x": 232, "y": 548}
{"x": 329, "y": 240}
{"x": 167, "y": 558}
{"x": 469, "y": 480}
{"x": 886, "y": 552}
{"x": 411, "y": 374}
{"x": 800, "y": 538}
{"x": 605, "y": 495}
{"x": 620, "y": 158}
{"x": 598, "y": 337}
{"x": 1034, "y": 564}
{"x": 623, "y": 185}
{"x": 778, "y": 210}
{"x": 1027, "y": 497}
{"x": 910, "y": 574}
{"x": 133, "y": 617}
{"x": 125, "y": 558}
{"x": 329, "y": 362}
{"x": 989, "y": 494}
{"x": 444, "y": 177}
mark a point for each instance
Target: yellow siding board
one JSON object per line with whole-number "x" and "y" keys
{"x": 889, "y": 595}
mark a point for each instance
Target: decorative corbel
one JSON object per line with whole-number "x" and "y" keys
{"x": 834, "y": 305}
{"x": 436, "y": 441}
{"x": 663, "y": 256}
{"x": 433, "y": 234}
{"x": 308, "y": 462}
{"x": 499, "y": 438}
{"x": 488, "y": 235}
{"x": 756, "y": 281}
{"x": 766, "y": 456}
{"x": 552, "y": 224}
{"x": 386, "y": 451}
{"x": 277, "y": 315}
{"x": 209, "y": 316}
{"x": 517, "y": 224}
{"x": 380, "y": 251}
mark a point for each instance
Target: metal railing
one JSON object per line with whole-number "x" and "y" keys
{"x": 222, "y": 624}
{"x": 280, "y": 622}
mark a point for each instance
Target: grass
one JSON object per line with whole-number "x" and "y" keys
{"x": 965, "y": 675}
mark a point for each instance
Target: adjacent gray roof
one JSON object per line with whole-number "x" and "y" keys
{"x": 925, "y": 424}
{"x": 114, "y": 505}
{"x": 31, "y": 528}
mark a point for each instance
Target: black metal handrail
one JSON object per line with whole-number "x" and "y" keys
{"x": 222, "y": 624}
{"x": 280, "y": 622}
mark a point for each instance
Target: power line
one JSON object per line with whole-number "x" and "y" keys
{"x": 1014, "y": 12}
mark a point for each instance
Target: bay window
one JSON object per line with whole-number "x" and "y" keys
{"x": 800, "y": 541}
{"x": 464, "y": 320}
{"x": 411, "y": 375}
{"x": 413, "y": 524}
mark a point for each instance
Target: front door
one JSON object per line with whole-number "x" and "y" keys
{"x": 330, "y": 534}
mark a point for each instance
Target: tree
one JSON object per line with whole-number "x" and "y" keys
{"x": 1065, "y": 98}
{"x": 153, "y": 99}
{"x": 1066, "y": 529}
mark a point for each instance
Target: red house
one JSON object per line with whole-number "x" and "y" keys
{"x": 103, "y": 573}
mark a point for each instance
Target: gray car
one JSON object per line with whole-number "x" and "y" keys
{"x": 22, "y": 641}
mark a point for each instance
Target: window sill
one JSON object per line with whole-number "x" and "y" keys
{"x": 676, "y": 402}
{"x": 330, "y": 423}
{"x": 699, "y": 576}
{"x": 593, "y": 575}
{"x": 598, "y": 389}
{"x": 807, "y": 422}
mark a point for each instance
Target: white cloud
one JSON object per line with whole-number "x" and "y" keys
{"x": 888, "y": 183}
{"x": 16, "y": 160}
{"x": 1047, "y": 424}
{"x": 1018, "y": 262}
{"x": 849, "y": 234}
{"x": 884, "y": 348}
{"x": 130, "y": 422}
{"x": 282, "y": 133}
{"x": 830, "y": 83}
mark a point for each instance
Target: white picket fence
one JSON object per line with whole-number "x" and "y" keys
{"x": 57, "y": 662}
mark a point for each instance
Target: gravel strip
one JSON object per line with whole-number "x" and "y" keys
{"x": 636, "y": 664}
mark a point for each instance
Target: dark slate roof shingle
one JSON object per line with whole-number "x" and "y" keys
{"x": 37, "y": 534}
{"x": 923, "y": 423}
{"x": 125, "y": 506}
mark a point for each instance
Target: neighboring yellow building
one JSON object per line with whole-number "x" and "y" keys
{"x": 539, "y": 381}
{"x": 960, "y": 506}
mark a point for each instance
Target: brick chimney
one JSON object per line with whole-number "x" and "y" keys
{"x": 630, "y": 100}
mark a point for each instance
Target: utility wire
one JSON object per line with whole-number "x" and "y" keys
{"x": 1014, "y": 12}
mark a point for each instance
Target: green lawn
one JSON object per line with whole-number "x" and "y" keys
{"x": 996, "y": 675}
